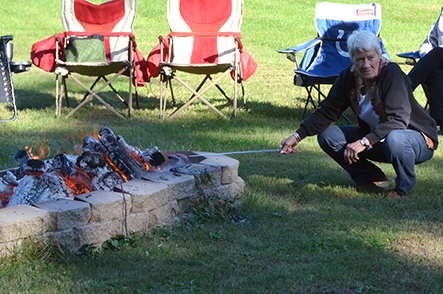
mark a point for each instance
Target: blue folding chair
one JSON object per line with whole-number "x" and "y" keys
{"x": 327, "y": 55}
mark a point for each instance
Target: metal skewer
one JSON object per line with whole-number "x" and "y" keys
{"x": 235, "y": 152}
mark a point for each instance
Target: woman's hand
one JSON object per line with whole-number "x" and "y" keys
{"x": 287, "y": 146}
{"x": 352, "y": 150}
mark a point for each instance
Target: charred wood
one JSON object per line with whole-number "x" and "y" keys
{"x": 34, "y": 167}
{"x": 153, "y": 157}
{"x": 91, "y": 145}
{"x": 64, "y": 163}
{"x": 107, "y": 181}
{"x": 91, "y": 160}
{"x": 22, "y": 157}
{"x": 33, "y": 189}
{"x": 10, "y": 178}
{"x": 28, "y": 165}
{"x": 118, "y": 156}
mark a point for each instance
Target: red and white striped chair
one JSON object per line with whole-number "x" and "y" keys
{"x": 114, "y": 20}
{"x": 204, "y": 40}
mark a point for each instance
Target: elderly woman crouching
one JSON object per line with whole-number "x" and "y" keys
{"x": 392, "y": 126}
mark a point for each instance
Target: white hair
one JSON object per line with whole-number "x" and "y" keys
{"x": 360, "y": 41}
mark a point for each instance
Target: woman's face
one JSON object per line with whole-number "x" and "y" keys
{"x": 367, "y": 63}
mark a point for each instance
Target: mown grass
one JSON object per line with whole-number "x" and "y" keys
{"x": 304, "y": 230}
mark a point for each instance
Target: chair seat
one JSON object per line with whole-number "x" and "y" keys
{"x": 94, "y": 69}
{"x": 305, "y": 78}
{"x": 201, "y": 69}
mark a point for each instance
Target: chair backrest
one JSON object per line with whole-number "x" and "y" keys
{"x": 112, "y": 16}
{"x": 334, "y": 23}
{"x": 195, "y": 25}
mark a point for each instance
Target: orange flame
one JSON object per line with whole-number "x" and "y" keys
{"x": 79, "y": 183}
{"x": 115, "y": 168}
{"x": 42, "y": 152}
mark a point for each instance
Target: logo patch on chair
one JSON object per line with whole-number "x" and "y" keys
{"x": 361, "y": 12}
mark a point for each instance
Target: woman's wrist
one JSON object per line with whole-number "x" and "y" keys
{"x": 297, "y": 136}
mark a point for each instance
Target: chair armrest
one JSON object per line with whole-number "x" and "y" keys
{"x": 301, "y": 47}
{"x": 413, "y": 55}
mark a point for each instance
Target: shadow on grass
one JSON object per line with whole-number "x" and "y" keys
{"x": 322, "y": 242}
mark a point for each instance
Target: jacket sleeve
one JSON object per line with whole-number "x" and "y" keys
{"x": 393, "y": 90}
{"x": 330, "y": 109}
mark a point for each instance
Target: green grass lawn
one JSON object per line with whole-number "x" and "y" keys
{"x": 306, "y": 229}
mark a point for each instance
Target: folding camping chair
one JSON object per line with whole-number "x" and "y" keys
{"x": 326, "y": 55}
{"x": 7, "y": 66}
{"x": 204, "y": 40}
{"x": 98, "y": 41}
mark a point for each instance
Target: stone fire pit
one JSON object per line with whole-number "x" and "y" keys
{"x": 136, "y": 206}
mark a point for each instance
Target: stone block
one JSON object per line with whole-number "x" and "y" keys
{"x": 164, "y": 215}
{"x": 21, "y": 221}
{"x": 179, "y": 185}
{"x": 94, "y": 234}
{"x": 185, "y": 203}
{"x": 106, "y": 206}
{"x": 231, "y": 191}
{"x": 146, "y": 195}
{"x": 133, "y": 223}
{"x": 65, "y": 213}
{"x": 229, "y": 166}
{"x": 206, "y": 176}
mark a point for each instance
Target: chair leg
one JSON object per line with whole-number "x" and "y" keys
{"x": 116, "y": 92}
{"x": 94, "y": 94}
{"x": 223, "y": 92}
{"x": 92, "y": 88}
{"x": 235, "y": 96}
{"x": 199, "y": 95}
{"x": 172, "y": 92}
{"x": 130, "y": 110}
{"x": 161, "y": 97}
{"x": 57, "y": 104}
{"x": 243, "y": 93}
{"x": 65, "y": 89}
{"x": 308, "y": 99}
{"x": 60, "y": 87}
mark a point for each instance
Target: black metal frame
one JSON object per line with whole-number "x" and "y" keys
{"x": 7, "y": 67}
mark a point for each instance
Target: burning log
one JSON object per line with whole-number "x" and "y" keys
{"x": 91, "y": 145}
{"x": 107, "y": 181}
{"x": 152, "y": 157}
{"x": 28, "y": 165}
{"x": 93, "y": 163}
{"x": 78, "y": 181}
{"x": 34, "y": 189}
{"x": 64, "y": 163}
{"x": 118, "y": 156}
{"x": 10, "y": 178}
